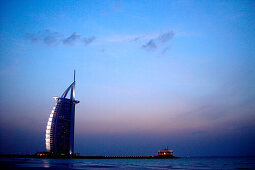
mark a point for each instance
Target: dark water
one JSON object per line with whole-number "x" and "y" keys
{"x": 182, "y": 163}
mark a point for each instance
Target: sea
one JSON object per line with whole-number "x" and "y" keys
{"x": 181, "y": 163}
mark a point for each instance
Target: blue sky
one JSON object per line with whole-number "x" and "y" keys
{"x": 149, "y": 74}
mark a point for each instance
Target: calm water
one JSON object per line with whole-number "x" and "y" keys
{"x": 182, "y": 163}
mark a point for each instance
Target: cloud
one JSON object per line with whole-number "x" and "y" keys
{"x": 54, "y": 38}
{"x": 45, "y": 36}
{"x": 165, "y": 50}
{"x": 123, "y": 38}
{"x": 136, "y": 39}
{"x": 71, "y": 39}
{"x": 163, "y": 38}
{"x": 154, "y": 43}
{"x": 151, "y": 45}
{"x": 31, "y": 37}
{"x": 89, "y": 40}
{"x": 50, "y": 38}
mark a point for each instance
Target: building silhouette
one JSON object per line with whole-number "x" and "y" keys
{"x": 59, "y": 137}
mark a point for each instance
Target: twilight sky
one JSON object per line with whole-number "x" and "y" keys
{"x": 149, "y": 74}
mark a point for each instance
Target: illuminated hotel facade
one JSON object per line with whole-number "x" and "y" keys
{"x": 59, "y": 137}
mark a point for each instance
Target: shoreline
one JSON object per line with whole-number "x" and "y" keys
{"x": 84, "y": 157}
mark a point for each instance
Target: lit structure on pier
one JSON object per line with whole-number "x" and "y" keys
{"x": 166, "y": 152}
{"x": 60, "y": 127}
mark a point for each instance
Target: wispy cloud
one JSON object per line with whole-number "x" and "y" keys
{"x": 124, "y": 38}
{"x": 158, "y": 42}
{"x": 165, "y": 50}
{"x": 153, "y": 43}
{"x": 46, "y": 36}
{"x": 54, "y": 38}
{"x": 71, "y": 39}
{"x": 165, "y": 37}
{"x": 89, "y": 40}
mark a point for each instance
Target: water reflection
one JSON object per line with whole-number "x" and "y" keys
{"x": 46, "y": 163}
{"x": 182, "y": 163}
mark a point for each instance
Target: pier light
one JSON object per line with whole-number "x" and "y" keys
{"x": 165, "y": 152}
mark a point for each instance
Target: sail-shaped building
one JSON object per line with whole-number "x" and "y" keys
{"x": 60, "y": 127}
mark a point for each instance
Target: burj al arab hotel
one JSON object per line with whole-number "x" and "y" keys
{"x": 60, "y": 127}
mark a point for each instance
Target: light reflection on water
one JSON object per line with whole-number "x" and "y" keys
{"x": 46, "y": 163}
{"x": 182, "y": 163}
